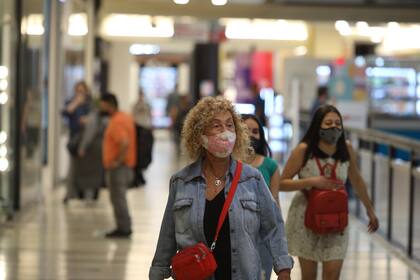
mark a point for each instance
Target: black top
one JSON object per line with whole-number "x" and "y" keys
{"x": 222, "y": 251}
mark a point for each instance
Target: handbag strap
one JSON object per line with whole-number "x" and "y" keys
{"x": 227, "y": 203}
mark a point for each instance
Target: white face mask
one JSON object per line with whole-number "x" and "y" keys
{"x": 220, "y": 145}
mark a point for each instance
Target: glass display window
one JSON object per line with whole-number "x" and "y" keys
{"x": 393, "y": 87}
{"x": 7, "y": 96}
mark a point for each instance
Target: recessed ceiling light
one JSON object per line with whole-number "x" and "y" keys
{"x": 219, "y": 2}
{"x": 181, "y": 2}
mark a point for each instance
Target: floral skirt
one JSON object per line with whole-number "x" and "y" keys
{"x": 306, "y": 244}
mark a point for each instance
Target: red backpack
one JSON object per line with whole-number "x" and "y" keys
{"x": 327, "y": 210}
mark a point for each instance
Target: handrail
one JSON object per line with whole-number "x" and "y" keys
{"x": 385, "y": 138}
{"x": 394, "y": 142}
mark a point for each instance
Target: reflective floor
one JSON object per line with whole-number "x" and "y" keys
{"x": 54, "y": 241}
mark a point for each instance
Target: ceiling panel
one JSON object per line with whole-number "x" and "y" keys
{"x": 292, "y": 9}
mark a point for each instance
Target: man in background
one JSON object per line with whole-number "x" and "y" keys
{"x": 119, "y": 159}
{"x": 321, "y": 99}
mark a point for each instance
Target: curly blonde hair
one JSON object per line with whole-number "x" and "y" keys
{"x": 200, "y": 117}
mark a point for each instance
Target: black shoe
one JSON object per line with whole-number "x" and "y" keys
{"x": 116, "y": 233}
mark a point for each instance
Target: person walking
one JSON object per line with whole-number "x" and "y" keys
{"x": 143, "y": 119}
{"x": 260, "y": 158}
{"x": 215, "y": 138}
{"x": 89, "y": 169}
{"x": 322, "y": 153}
{"x": 119, "y": 159}
{"x": 320, "y": 99}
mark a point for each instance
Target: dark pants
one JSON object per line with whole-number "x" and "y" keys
{"x": 118, "y": 180}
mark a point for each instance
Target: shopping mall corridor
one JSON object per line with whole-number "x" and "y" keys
{"x": 53, "y": 241}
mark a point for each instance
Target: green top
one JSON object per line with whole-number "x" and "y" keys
{"x": 267, "y": 169}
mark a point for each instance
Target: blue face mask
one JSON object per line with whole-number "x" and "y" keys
{"x": 330, "y": 135}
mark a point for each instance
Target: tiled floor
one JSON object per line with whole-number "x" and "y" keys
{"x": 57, "y": 242}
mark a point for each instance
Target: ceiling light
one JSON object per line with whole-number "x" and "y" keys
{"x": 77, "y": 25}
{"x": 3, "y": 98}
{"x": 3, "y": 137}
{"x": 263, "y": 29}
{"x": 300, "y": 51}
{"x": 401, "y": 39}
{"x": 343, "y": 27}
{"x": 323, "y": 70}
{"x": 362, "y": 25}
{"x": 393, "y": 24}
{"x": 376, "y": 40}
{"x": 3, "y": 85}
{"x": 122, "y": 25}
{"x": 4, "y": 72}
{"x": 379, "y": 61}
{"x": 3, "y": 151}
{"x": 281, "y": 21}
{"x": 339, "y": 24}
{"x": 139, "y": 49}
{"x": 181, "y": 2}
{"x": 360, "y": 61}
{"x": 219, "y": 2}
{"x": 33, "y": 25}
{"x": 4, "y": 164}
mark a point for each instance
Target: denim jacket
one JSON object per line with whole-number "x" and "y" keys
{"x": 253, "y": 216}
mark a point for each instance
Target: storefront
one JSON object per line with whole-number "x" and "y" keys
{"x": 7, "y": 98}
{"x": 38, "y": 68}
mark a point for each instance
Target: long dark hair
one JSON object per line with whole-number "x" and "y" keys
{"x": 265, "y": 151}
{"x": 311, "y": 137}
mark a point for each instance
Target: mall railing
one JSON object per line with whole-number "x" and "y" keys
{"x": 390, "y": 165}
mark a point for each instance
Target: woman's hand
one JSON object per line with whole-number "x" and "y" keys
{"x": 284, "y": 274}
{"x": 322, "y": 182}
{"x": 373, "y": 221}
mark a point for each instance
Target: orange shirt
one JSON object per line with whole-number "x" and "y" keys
{"x": 120, "y": 127}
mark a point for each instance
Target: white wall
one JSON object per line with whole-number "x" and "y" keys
{"x": 119, "y": 74}
{"x": 302, "y": 69}
{"x": 124, "y": 71}
{"x": 328, "y": 43}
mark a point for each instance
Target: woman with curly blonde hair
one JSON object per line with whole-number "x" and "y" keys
{"x": 215, "y": 137}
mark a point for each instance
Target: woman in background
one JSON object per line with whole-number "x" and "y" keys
{"x": 76, "y": 111}
{"x": 261, "y": 159}
{"x": 143, "y": 117}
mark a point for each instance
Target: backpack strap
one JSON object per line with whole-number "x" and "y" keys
{"x": 321, "y": 168}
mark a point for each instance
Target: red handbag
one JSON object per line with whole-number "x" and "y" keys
{"x": 327, "y": 210}
{"x": 197, "y": 262}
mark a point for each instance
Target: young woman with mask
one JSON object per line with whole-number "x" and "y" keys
{"x": 324, "y": 145}
{"x": 261, "y": 159}
{"x": 215, "y": 138}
